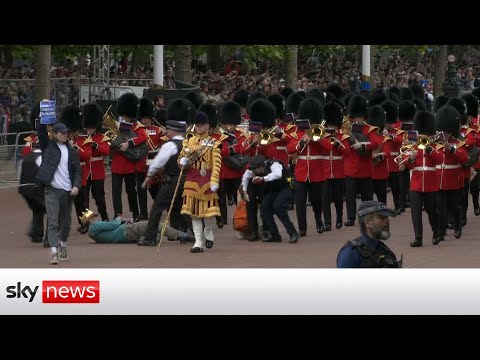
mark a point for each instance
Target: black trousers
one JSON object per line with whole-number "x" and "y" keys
{"x": 449, "y": 201}
{"x": 98, "y": 192}
{"x": 394, "y": 182}
{"x": 80, "y": 203}
{"x": 255, "y": 195}
{"x": 34, "y": 195}
{"x": 475, "y": 188}
{"x": 464, "y": 201}
{"x": 404, "y": 187}
{"x": 228, "y": 188}
{"x": 354, "y": 187}
{"x": 117, "y": 184}
{"x": 427, "y": 201}
{"x": 316, "y": 193}
{"x": 380, "y": 189}
{"x": 333, "y": 190}
{"x": 162, "y": 202}
{"x": 277, "y": 203}
{"x": 142, "y": 195}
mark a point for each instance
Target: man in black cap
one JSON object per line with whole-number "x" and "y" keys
{"x": 368, "y": 250}
{"x": 166, "y": 159}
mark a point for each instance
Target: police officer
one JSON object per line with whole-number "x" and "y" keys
{"x": 368, "y": 250}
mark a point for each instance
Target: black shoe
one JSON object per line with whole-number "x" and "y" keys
{"x": 143, "y": 242}
{"x": 328, "y": 227}
{"x": 457, "y": 233}
{"x": 272, "y": 238}
{"x": 309, "y": 203}
{"x": 231, "y": 202}
{"x": 450, "y": 226}
{"x": 294, "y": 238}
{"x": 219, "y": 222}
{"x": 476, "y": 210}
{"x": 463, "y": 221}
{"x": 350, "y": 223}
{"x": 253, "y": 237}
{"x": 83, "y": 229}
{"x": 196, "y": 249}
{"x": 208, "y": 244}
{"x": 320, "y": 228}
{"x": 303, "y": 233}
{"x": 437, "y": 239}
{"x": 291, "y": 207}
{"x": 339, "y": 224}
{"x": 397, "y": 211}
{"x": 416, "y": 243}
{"x": 402, "y": 208}
{"x": 407, "y": 204}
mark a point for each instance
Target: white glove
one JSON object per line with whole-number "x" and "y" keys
{"x": 214, "y": 187}
{"x": 183, "y": 161}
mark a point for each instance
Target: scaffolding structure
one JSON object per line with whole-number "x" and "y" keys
{"x": 101, "y": 73}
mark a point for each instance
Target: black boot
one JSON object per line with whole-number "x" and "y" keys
{"x": 416, "y": 243}
{"x": 253, "y": 237}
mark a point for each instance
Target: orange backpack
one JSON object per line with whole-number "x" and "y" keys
{"x": 240, "y": 220}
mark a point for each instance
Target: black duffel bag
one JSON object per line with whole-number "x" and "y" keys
{"x": 132, "y": 153}
{"x": 236, "y": 161}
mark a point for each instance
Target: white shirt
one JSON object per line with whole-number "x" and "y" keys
{"x": 276, "y": 173}
{"x": 61, "y": 178}
{"x": 166, "y": 151}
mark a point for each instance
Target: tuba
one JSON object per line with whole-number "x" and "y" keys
{"x": 111, "y": 124}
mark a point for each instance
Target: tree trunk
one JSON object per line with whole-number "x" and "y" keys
{"x": 439, "y": 70}
{"x": 214, "y": 62}
{"x": 292, "y": 69}
{"x": 43, "y": 63}
{"x": 183, "y": 63}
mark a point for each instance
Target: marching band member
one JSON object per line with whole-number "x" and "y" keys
{"x": 201, "y": 155}
{"x": 421, "y": 161}
{"x": 93, "y": 120}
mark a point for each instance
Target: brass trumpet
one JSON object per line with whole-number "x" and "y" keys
{"x": 404, "y": 150}
{"x": 266, "y": 136}
{"x": 317, "y": 132}
{"x": 190, "y": 132}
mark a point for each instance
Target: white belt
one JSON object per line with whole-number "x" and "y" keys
{"x": 82, "y": 163}
{"x": 394, "y": 153}
{"x": 281, "y": 148}
{"x": 424, "y": 168}
{"x": 331, "y": 157}
{"x": 149, "y": 162}
{"x": 443, "y": 166}
{"x": 310, "y": 157}
{"x": 98, "y": 158}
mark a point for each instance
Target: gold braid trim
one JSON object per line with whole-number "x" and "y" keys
{"x": 216, "y": 163}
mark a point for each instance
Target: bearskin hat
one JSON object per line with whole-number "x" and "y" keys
{"x": 394, "y": 98}
{"x": 406, "y": 110}
{"x": 293, "y": 102}
{"x": 145, "y": 108}
{"x": 448, "y": 119}
{"x": 329, "y": 97}
{"x": 335, "y": 89}
{"x": 460, "y": 106}
{"x": 391, "y": 110}
{"x": 263, "y": 111}
{"x": 424, "y": 122}
{"x": 72, "y": 118}
{"x": 395, "y": 90}
{"x": 317, "y": 94}
{"x": 161, "y": 116}
{"x": 127, "y": 105}
{"x": 472, "y": 104}
{"x": 419, "y": 104}
{"x": 280, "y": 104}
{"x": 376, "y": 117}
{"x": 406, "y": 94}
{"x": 333, "y": 114}
{"x": 417, "y": 91}
{"x": 365, "y": 93}
{"x": 347, "y": 98}
{"x": 439, "y": 102}
{"x": 476, "y": 92}
{"x": 211, "y": 111}
{"x": 377, "y": 97}
{"x": 241, "y": 97}
{"x": 340, "y": 103}
{"x": 230, "y": 113}
{"x": 252, "y": 97}
{"x": 194, "y": 97}
{"x": 286, "y": 92}
{"x": 181, "y": 109}
{"x": 35, "y": 114}
{"x": 311, "y": 109}
{"x": 92, "y": 116}
{"x": 358, "y": 106}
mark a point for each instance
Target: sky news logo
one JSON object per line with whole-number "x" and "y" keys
{"x": 59, "y": 292}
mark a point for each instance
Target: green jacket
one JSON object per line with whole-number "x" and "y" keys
{"x": 107, "y": 231}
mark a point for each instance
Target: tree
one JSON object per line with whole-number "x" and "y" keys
{"x": 292, "y": 69}
{"x": 183, "y": 63}
{"x": 43, "y": 64}
{"x": 439, "y": 69}
{"x": 214, "y": 62}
